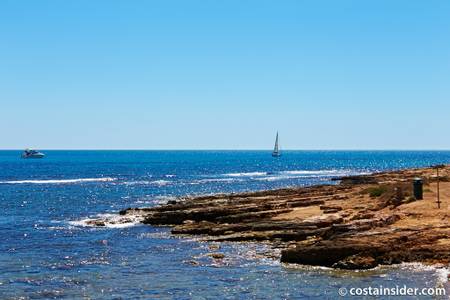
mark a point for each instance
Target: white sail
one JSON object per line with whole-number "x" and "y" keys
{"x": 276, "y": 150}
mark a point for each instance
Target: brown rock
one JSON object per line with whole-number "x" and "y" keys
{"x": 360, "y": 223}
{"x": 216, "y": 255}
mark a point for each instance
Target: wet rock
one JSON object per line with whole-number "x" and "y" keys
{"x": 216, "y": 255}
{"x": 369, "y": 249}
{"x": 357, "y": 180}
{"x": 98, "y": 223}
{"x": 193, "y": 263}
{"x": 325, "y": 253}
{"x": 214, "y": 247}
{"x": 356, "y": 262}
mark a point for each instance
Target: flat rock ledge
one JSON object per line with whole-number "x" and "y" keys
{"x": 359, "y": 223}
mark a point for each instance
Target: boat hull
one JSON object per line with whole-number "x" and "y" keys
{"x": 39, "y": 155}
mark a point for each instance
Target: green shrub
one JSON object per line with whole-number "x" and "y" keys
{"x": 376, "y": 191}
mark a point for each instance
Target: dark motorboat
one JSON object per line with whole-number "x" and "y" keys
{"x": 30, "y": 153}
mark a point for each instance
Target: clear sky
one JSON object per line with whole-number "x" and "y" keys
{"x": 225, "y": 74}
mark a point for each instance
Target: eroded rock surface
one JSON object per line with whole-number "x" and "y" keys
{"x": 359, "y": 223}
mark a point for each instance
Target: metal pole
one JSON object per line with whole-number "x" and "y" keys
{"x": 438, "y": 194}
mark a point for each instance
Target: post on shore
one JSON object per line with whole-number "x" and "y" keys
{"x": 437, "y": 167}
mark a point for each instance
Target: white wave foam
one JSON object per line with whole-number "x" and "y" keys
{"x": 248, "y": 174}
{"x": 148, "y": 182}
{"x": 441, "y": 271}
{"x": 60, "y": 181}
{"x": 163, "y": 199}
{"x": 443, "y": 275}
{"x": 303, "y": 173}
{"x": 277, "y": 177}
{"x": 109, "y": 221}
{"x": 138, "y": 182}
{"x": 152, "y": 200}
{"x": 273, "y": 178}
{"x": 161, "y": 182}
{"x": 313, "y": 172}
{"x": 296, "y": 174}
{"x": 209, "y": 180}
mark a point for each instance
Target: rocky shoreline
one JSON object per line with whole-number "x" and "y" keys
{"x": 359, "y": 223}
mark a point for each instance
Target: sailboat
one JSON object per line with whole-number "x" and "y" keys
{"x": 276, "y": 151}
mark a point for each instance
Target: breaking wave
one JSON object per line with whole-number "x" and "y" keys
{"x": 318, "y": 172}
{"x": 137, "y": 182}
{"x": 160, "y": 182}
{"x": 160, "y": 200}
{"x": 249, "y": 174}
{"x": 291, "y": 174}
{"x": 210, "y": 180}
{"x": 147, "y": 182}
{"x": 275, "y": 178}
{"x": 109, "y": 221}
{"x": 442, "y": 273}
{"x": 60, "y": 181}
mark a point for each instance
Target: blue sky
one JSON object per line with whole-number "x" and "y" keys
{"x": 225, "y": 74}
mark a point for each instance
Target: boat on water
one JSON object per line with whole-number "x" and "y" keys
{"x": 276, "y": 149}
{"x": 30, "y": 153}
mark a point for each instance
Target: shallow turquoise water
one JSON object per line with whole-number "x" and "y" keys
{"x": 45, "y": 253}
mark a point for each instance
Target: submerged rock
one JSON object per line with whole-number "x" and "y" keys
{"x": 216, "y": 255}
{"x": 193, "y": 263}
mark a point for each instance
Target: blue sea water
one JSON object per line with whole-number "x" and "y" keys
{"x": 46, "y": 252}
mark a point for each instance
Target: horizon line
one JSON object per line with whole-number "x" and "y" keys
{"x": 212, "y": 149}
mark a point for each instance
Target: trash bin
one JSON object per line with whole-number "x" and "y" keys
{"x": 418, "y": 188}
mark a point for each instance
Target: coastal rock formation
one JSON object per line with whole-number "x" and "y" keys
{"x": 371, "y": 248}
{"x": 359, "y": 223}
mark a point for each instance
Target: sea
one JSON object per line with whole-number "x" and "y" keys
{"x": 47, "y": 251}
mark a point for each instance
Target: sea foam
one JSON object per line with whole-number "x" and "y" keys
{"x": 248, "y": 174}
{"x": 59, "y": 181}
{"x": 313, "y": 172}
{"x": 210, "y": 180}
{"x": 160, "y": 182}
{"x": 109, "y": 221}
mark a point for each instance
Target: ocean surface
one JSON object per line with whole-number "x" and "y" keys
{"x": 46, "y": 251}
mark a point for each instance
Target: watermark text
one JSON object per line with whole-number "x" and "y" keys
{"x": 391, "y": 291}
